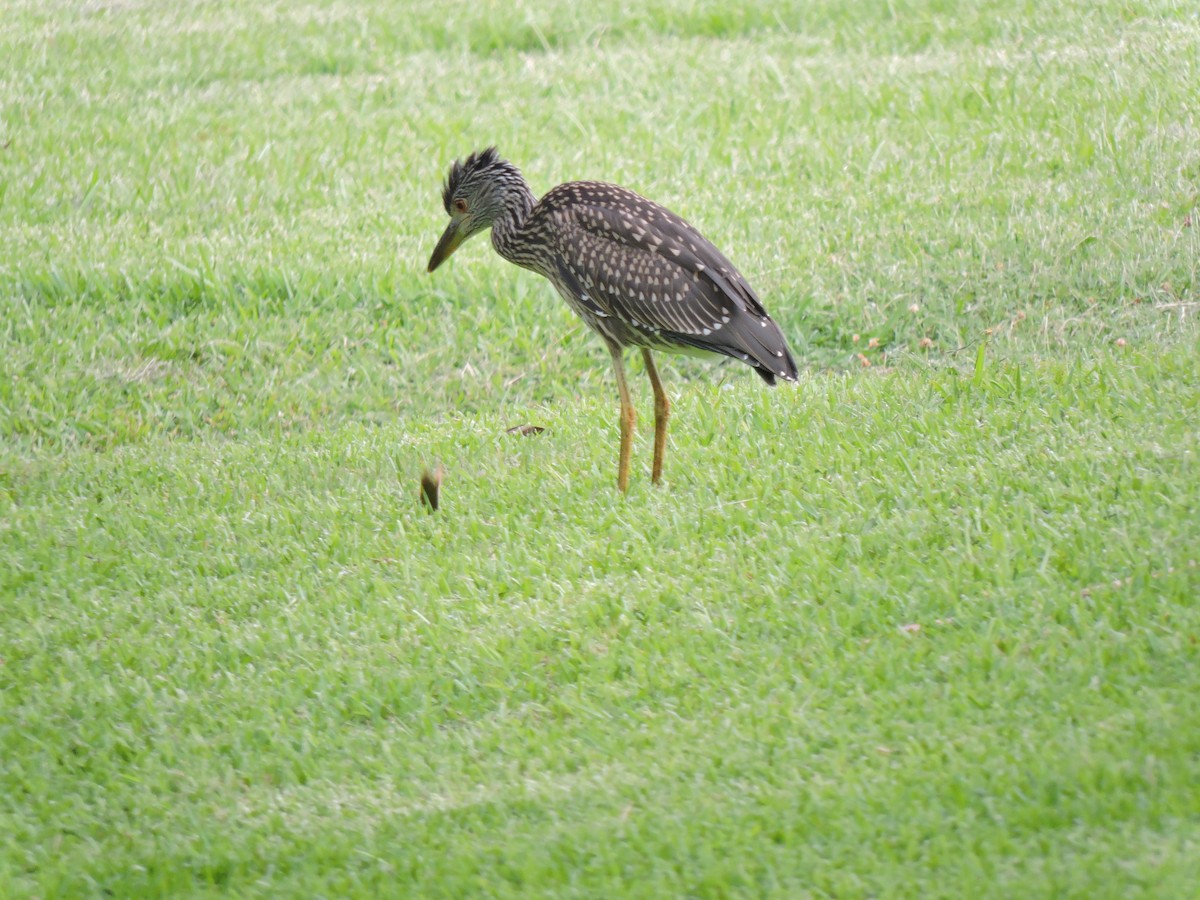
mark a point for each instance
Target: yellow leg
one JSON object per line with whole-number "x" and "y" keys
{"x": 628, "y": 417}
{"x": 662, "y": 411}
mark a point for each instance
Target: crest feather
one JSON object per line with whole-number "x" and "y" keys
{"x": 481, "y": 159}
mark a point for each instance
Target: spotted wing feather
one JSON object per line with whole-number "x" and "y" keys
{"x": 635, "y": 261}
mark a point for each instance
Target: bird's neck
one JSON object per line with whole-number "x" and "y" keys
{"x": 518, "y": 202}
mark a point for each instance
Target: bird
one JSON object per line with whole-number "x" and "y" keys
{"x": 635, "y": 272}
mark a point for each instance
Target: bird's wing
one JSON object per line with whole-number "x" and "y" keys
{"x": 633, "y": 259}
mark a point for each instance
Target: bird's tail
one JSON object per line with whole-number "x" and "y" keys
{"x": 762, "y": 345}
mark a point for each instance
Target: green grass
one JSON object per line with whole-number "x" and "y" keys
{"x": 923, "y": 625}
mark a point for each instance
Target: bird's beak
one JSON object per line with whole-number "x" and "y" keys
{"x": 451, "y": 238}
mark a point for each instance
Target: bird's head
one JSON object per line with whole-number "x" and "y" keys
{"x": 476, "y": 192}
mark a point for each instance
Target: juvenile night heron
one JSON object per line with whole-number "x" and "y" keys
{"x": 636, "y": 273}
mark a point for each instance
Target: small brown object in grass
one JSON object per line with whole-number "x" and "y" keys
{"x": 525, "y": 430}
{"x": 431, "y": 484}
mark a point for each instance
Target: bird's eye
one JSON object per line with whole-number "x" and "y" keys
{"x": 460, "y": 205}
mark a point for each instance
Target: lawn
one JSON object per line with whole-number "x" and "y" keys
{"x": 924, "y": 624}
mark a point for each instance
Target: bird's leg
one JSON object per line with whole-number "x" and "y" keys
{"x": 628, "y": 417}
{"x": 662, "y": 410}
